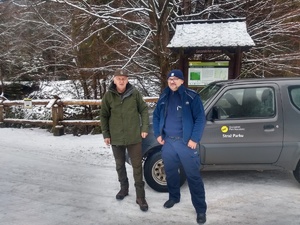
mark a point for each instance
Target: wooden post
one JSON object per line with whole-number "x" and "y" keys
{"x": 57, "y": 129}
{"x": 183, "y": 65}
{"x": 54, "y": 115}
{"x": 60, "y": 112}
{"x": 238, "y": 62}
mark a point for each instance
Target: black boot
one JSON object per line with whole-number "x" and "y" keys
{"x": 142, "y": 203}
{"x": 201, "y": 218}
{"x": 121, "y": 194}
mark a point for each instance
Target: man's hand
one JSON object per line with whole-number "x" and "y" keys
{"x": 144, "y": 134}
{"x": 192, "y": 144}
{"x": 107, "y": 141}
{"x": 160, "y": 140}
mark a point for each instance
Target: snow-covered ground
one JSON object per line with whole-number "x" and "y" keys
{"x": 70, "y": 180}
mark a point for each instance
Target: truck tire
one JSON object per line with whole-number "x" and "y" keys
{"x": 154, "y": 173}
{"x": 296, "y": 172}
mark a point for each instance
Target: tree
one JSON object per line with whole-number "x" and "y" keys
{"x": 274, "y": 25}
{"x": 88, "y": 40}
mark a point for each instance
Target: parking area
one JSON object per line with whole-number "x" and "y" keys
{"x": 47, "y": 180}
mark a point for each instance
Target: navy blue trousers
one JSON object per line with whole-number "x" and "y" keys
{"x": 174, "y": 153}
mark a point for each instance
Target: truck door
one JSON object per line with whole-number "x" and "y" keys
{"x": 248, "y": 127}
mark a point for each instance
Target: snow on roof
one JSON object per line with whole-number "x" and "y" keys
{"x": 213, "y": 33}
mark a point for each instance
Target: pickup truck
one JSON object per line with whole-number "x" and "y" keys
{"x": 252, "y": 124}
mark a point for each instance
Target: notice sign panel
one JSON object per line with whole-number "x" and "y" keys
{"x": 202, "y": 73}
{"x": 27, "y": 103}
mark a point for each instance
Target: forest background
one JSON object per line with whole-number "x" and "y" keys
{"x": 84, "y": 41}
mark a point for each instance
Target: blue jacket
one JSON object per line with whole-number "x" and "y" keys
{"x": 193, "y": 115}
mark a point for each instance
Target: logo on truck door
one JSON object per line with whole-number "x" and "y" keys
{"x": 234, "y": 131}
{"x": 224, "y": 129}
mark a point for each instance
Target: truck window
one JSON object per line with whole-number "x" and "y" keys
{"x": 208, "y": 92}
{"x": 247, "y": 103}
{"x": 295, "y": 96}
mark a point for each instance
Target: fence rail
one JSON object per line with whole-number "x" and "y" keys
{"x": 57, "y": 112}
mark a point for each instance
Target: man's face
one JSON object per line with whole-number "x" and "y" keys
{"x": 174, "y": 83}
{"x": 121, "y": 82}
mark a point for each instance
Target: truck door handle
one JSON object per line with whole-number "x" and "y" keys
{"x": 269, "y": 128}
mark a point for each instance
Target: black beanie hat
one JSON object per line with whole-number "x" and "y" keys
{"x": 176, "y": 73}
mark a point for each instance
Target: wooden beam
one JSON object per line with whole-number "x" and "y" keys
{"x": 24, "y": 121}
{"x": 80, "y": 122}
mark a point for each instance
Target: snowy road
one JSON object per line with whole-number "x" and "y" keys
{"x": 68, "y": 180}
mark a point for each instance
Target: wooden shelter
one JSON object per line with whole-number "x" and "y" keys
{"x": 195, "y": 39}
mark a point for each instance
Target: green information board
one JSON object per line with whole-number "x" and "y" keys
{"x": 202, "y": 73}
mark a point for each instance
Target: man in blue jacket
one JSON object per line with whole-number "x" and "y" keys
{"x": 178, "y": 124}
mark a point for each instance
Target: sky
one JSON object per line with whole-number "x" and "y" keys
{"x": 70, "y": 180}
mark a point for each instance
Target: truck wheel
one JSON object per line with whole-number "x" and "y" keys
{"x": 296, "y": 172}
{"x": 154, "y": 173}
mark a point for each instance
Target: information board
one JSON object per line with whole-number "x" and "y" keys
{"x": 202, "y": 73}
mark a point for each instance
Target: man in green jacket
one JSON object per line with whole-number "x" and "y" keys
{"x": 124, "y": 122}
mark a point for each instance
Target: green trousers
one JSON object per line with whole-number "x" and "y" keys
{"x": 135, "y": 154}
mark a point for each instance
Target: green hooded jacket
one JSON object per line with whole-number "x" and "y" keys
{"x": 123, "y": 117}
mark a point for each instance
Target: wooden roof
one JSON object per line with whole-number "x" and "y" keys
{"x": 204, "y": 34}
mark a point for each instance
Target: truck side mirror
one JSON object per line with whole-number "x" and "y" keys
{"x": 213, "y": 114}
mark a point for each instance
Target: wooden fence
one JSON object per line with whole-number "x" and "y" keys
{"x": 57, "y": 112}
